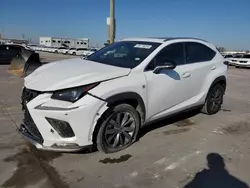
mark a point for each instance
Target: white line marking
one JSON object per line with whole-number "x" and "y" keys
{"x": 181, "y": 161}
{"x": 161, "y": 161}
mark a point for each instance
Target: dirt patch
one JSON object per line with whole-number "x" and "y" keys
{"x": 32, "y": 167}
{"x": 116, "y": 160}
{"x": 177, "y": 131}
{"x": 237, "y": 128}
{"x": 184, "y": 123}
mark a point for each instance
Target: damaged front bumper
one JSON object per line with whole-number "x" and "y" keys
{"x": 63, "y": 147}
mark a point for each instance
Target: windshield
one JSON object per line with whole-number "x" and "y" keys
{"x": 126, "y": 54}
{"x": 238, "y": 56}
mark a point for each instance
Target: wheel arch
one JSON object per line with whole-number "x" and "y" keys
{"x": 132, "y": 98}
{"x": 220, "y": 80}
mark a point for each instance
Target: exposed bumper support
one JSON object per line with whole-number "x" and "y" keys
{"x": 62, "y": 148}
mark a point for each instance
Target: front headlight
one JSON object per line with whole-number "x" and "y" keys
{"x": 72, "y": 94}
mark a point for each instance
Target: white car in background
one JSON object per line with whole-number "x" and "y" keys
{"x": 243, "y": 61}
{"x": 106, "y": 98}
{"x": 70, "y": 50}
{"x": 61, "y": 50}
{"x": 78, "y": 51}
{"x": 89, "y": 52}
{"x": 229, "y": 58}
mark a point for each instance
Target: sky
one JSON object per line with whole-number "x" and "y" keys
{"x": 222, "y": 22}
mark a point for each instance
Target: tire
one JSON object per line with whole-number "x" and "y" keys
{"x": 56, "y": 51}
{"x": 114, "y": 137}
{"x": 73, "y": 53}
{"x": 214, "y": 100}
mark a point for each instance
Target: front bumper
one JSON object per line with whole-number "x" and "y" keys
{"x": 31, "y": 139}
{"x": 81, "y": 116}
{"x": 242, "y": 65}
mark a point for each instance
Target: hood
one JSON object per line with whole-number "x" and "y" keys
{"x": 71, "y": 73}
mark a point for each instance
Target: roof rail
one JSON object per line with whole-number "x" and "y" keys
{"x": 176, "y": 38}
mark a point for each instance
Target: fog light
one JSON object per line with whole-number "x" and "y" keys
{"x": 62, "y": 127}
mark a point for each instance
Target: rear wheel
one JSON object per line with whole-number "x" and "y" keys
{"x": 214, "y": 100}
{"x": 118, "y": 129}
{"x": 73, "y": 53}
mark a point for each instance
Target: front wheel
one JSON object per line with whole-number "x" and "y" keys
{"x": 118, "y": 129}
{"x": 214, "y": 100}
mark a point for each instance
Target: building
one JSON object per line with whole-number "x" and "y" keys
{"x": 64, "y": 42}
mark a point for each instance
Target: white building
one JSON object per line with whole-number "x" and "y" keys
{"x": 62, "y": 42}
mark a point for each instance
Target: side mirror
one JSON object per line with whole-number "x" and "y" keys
{"x": 167, "y": 65}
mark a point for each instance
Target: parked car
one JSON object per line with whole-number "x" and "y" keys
{"x": 89, "y": 52}
{"x": 60, "y": 50}
{"x": 70, "y": 50}
{"x": 243, "y": 61}
{"x": 78, "y": 51}
{"x": 229, "y": 58}
{"x": 106, "y": 98}
{"x": 9, "y": 51}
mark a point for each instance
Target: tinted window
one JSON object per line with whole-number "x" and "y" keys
{"x": 127, "y": 54}
{"x": 15, "y": 47}
{"x": 59, "y": 41}
{"x": 81, "y": 49}
{"x": 246, "y": 56}
{"x": 173, "y": 53}
{"x": 197, "y": 52}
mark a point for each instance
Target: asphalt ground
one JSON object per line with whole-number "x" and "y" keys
{"x": 188, "y": 150}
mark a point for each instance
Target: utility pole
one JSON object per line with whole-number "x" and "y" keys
{"x": 112, "y": 22}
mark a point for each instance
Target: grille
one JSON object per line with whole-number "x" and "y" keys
{"x": 28, "y": 95}
{"x": 29, "y": 124}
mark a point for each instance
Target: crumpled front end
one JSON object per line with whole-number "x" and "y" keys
{"x": 58, "y": 125}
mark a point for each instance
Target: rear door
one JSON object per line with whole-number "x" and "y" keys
{"x": 200, "y": 66}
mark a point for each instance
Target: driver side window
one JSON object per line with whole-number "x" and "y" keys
{"x": 173, "y": 53}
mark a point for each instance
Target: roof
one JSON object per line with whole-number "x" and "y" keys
{"x": 161, "y": 39}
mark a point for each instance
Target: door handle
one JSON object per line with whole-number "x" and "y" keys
{"x": 186, "y": 75}
{"x": 213, "y": 67}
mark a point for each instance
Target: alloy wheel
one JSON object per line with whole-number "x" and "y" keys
{"x": 120, "y": 130}
{"x": 216, "y": 99}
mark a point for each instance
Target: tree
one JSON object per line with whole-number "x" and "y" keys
{"x": 221, "y": 49}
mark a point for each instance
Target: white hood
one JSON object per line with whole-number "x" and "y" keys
{"x": 71, "y": 73}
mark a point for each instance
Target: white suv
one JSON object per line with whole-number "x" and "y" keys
{"x": 106, "y": 98}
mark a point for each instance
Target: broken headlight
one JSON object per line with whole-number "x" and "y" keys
{"x": 72, "y": 94}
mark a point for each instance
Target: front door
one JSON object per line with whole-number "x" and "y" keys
{"x": 168, "y": 88}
